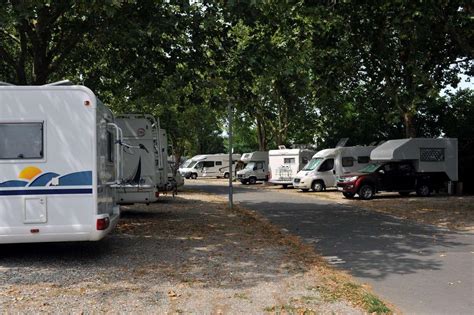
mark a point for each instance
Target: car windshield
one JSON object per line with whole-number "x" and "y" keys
{"x": 311, "y": 165}
{"x": 249, "y": 166}
{"x": 186, "y": 163}
{"x": 191, "y": 165}
{"x": 370, "y": 168}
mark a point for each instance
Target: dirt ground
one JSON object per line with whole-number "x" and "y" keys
{"x": 452, "y": 212}
{"x": 184, "y": 255}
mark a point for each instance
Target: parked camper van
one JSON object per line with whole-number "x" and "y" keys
{"x": 418, "y": 165}
{"x": 208, "y": 165}
{"x": 326, "y": 165}
{"x": 286, "y": 163}
{"x": 255, "y": 167}
{"x": 59, "y": 158}
{"x": 141, "y": 159}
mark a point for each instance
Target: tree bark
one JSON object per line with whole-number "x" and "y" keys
{"x": 410, "y": 128}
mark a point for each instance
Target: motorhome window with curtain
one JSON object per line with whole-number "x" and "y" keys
{"x": 363, "y": 159}
{"x": 289, "y": 161}
{"x": 21, "y": 141}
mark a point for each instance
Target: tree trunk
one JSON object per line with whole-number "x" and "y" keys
{"x": 410, "y": 128}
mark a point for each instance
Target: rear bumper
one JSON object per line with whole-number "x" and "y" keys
{"x": 114, "y": 218}
{"x": 281, "y": 182}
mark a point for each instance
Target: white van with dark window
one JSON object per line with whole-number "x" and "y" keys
{"x": 326, "y": 165}
{"x": 208, "y": 165}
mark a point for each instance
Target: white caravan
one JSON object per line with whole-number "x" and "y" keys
{"x": 59, "y": 161}
{"x": 256, "y": 167}
{"x": 209, "y": 165}
{"x": 286, "y": 163}
{"x": 141, "y": 159}
{"x": 326, "y": 165}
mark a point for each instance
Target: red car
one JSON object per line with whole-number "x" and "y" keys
{"x": 389, "y": 176}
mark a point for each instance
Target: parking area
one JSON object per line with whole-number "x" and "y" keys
{"x": 183, "y": 255}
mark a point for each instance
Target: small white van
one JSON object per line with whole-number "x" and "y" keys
{"x": 255, "y": 167}
{"x": 208, "y": 165}
{"x": 326, "y": 165}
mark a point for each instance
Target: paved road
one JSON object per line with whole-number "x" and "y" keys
{"x": 420, "y": 268}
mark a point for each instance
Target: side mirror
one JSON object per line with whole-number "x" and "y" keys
{"x": 254, "y": 168}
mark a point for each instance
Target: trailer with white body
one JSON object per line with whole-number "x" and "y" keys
{"x": 326, "y": 165}
{"x": 286, "y": 163}
{"x": 255, "y": 167}
{"x": 59, "y": 161}
{"x": 209, "y": 165}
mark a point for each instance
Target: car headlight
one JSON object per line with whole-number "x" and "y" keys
{"x": 350, "y": 179}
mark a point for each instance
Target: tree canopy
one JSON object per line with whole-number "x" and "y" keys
{"x": 297, "y": 72}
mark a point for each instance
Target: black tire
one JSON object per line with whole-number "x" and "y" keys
{"x": 244, "y": 182}
{"x": 317, "y": 186}
{"x": 348, "y": 195}
{"x": 194, "y": 175}
{"x": 423, "y": 190}
{"x": 404, "y": 193}
{"x": 366, "y": 192}
{"x": 252, "y": 181}
{"x": 305, "y": 190}
{"x": 285, "y": 186}
{"x": 226, "y": 175}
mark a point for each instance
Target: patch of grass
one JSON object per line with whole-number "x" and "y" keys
{"x": 355, "y": 293}
{"x": 242, "y": 296}
{"x": 288, "y": 309}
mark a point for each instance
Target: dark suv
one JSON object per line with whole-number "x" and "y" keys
{"x": 389, "y": 176}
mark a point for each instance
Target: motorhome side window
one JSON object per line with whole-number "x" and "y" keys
{"x": 347, "y": 161}
{"x": 110, "y": 147}
{"x": 289, "y": 161}
{"x": 21, "y": 141}
{"x": 327, "y": 165}
{"x": 431, "y": 154}
{"x": 218, "y": 163}
{"x": 363, "y": 159}
{"x": 208, "y": 164}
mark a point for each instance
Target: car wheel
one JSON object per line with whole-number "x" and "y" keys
{"x": 404, "y": 193}
{"x": 348, "y": 195}
{"x": 194, "y": 175}
{"x": 366, "y": 192}
{"x": 317, "y": 186}
{"x": 285, "y": 186}
{"x": 423, "y": 190}
{"x": 252, "y": 180}
{"x": 226, "y": 175}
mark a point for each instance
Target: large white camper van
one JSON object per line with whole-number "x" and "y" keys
{"x": 326, "y": 165}
{"x": 209, "y": 165}
{"x": 286, "y": 163}
{"x": 59, "y": 158}
{"x": 255, "y": 167}
{"x": 142, "y": 162}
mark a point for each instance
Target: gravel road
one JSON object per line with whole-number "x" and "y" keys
{"x": 183, "y": 255}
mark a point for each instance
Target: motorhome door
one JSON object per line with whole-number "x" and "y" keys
{"x": 327, "y": 172}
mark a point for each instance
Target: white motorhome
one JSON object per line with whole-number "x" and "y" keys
{"x": 59, "y": 161}
{"x": 286, "y": 163}
{"x": 209, "y": 165}
{"x": 326, "y": 165}
{"x": 141, "y": 159}
{"x": 255, "y": 167}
